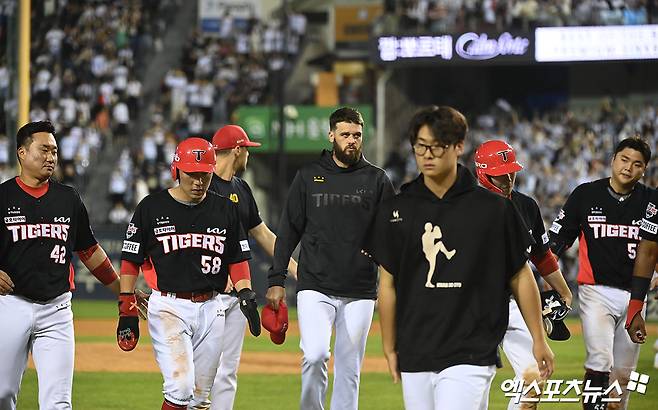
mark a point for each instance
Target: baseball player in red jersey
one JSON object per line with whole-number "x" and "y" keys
{"x": 496, "y": 167}
{"x": 231, "y": 145}
{"x": 43, "y": 223}
{"x": 449, "y": 252}
{"x": 187, "y": 242}
{"x": 605, "y": 215}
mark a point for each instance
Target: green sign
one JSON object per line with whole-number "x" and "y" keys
{"x": 306, "y": 126}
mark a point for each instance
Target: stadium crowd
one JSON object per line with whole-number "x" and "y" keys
{"x": 217, "y": 74}
{"x": 459, "y": 15}
{"x": 85, "y": 70}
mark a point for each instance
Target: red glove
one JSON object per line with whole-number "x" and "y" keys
{"x": 128, "y": 328}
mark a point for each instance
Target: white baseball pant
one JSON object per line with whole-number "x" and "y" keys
{"x": 226, "y": 382}
{"x": 317, "y": 314}
{"x": 609, "y": 348}
{"x": 45, "y": 329}
{"x": 187, "y": 339}
{"x": 517, "y": 345}
{"x": 461, "y": 387}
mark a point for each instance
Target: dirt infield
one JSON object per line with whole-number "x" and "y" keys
{"x": 99, "y": 357}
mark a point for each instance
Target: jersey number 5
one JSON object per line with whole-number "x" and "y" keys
{"x": 59, "y": 254}
{"x": 632, "y": 250}
{"x": 211, "y": 264}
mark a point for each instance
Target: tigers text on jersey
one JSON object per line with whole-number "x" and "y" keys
{"x": 452, "y": 260}
{"x": 329, "y": 209}
{"x": 531, "y": 215}
{"x": 186, "y": 248}
{"x": 608, "y": 231}
{"x": 38, "y": 237}
{"x": 239, "y": 192}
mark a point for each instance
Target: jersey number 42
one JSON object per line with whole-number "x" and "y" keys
{"x": 59, "y": 254}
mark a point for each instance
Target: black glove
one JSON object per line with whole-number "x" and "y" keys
{"x": 249, "y": 309}
{"x": 554, "y": 310}
{"x": 128, "y": 328}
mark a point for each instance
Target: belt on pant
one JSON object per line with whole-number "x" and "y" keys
{"x": 196, "y": 297}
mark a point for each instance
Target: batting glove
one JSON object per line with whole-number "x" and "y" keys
{"x": 128, "y": 328}
{"x": 249, "y": 309}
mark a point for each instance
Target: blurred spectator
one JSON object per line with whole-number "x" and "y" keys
{"x": 445, "y": 16}
{"x": 119, "y": 214}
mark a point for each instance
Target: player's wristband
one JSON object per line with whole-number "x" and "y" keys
{"x": 84, "y": 255}
{"x": 276, "y": 278}
{"x": 239, "y": 271}
{"x": 129, "y": 268}
{"x": 634, "y": 308}
{"x": 105, "y": 272}
{"x": 639, "y": 287}
{"x": 545, "y": 264}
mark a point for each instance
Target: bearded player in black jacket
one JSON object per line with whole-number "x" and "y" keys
{"x": 329, "y": 208}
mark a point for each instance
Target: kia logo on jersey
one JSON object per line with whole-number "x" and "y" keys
{"x": 62, "y": 219}
{"x": 651, "y": 210}
{"x": 197, "y": 154}
{"x": 216, "y": 231}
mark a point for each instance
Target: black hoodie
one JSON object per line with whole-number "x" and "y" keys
{"x": 462, "y": 316}
{"x": 329, "y": 209}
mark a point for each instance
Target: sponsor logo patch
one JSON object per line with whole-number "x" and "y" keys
{"x": 15, "y": 219}
{"x": 62, "y": 219}
{"x": 244, "y": 245}
{"x": 596, "y": 218}
{"x": 164, "y": 229}
{"x": 131, "y": 230}
{"x": 555, "y": 228}
{"x": 649, "y": 227}
{"x": 130, "y": 247}
{"x": 544, "y": 238}
{"x": 651, "y": 210}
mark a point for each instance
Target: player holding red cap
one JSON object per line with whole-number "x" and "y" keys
{"x": 496, "y": 168}
{"x": 187, "y": 241}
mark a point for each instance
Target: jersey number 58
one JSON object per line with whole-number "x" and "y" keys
{"x": 210, "y": 264}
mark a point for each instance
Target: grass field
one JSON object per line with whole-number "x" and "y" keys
{"x": 107, "y": 390}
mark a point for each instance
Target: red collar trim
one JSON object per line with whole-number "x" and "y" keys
{"x": 35, "y": 192}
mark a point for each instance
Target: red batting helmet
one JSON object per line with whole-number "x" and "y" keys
{"x": 231, "y": 136}
{"x": 193, "y": 155}
{"x": 495, "y": 158}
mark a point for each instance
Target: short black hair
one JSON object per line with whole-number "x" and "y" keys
{"x": 24, "y": 134}
{"x": 636, "y": 143}
{"x": 448, "y": 125}
{"x": 345, "y": 114}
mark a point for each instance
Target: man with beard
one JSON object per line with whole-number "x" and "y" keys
{"x": 329, "y": 208}
{"x": 231, "y": 145}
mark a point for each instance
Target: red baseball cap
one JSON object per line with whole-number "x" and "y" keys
{"x": 276, "y": 322}
{"x": 231, "y": 136}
